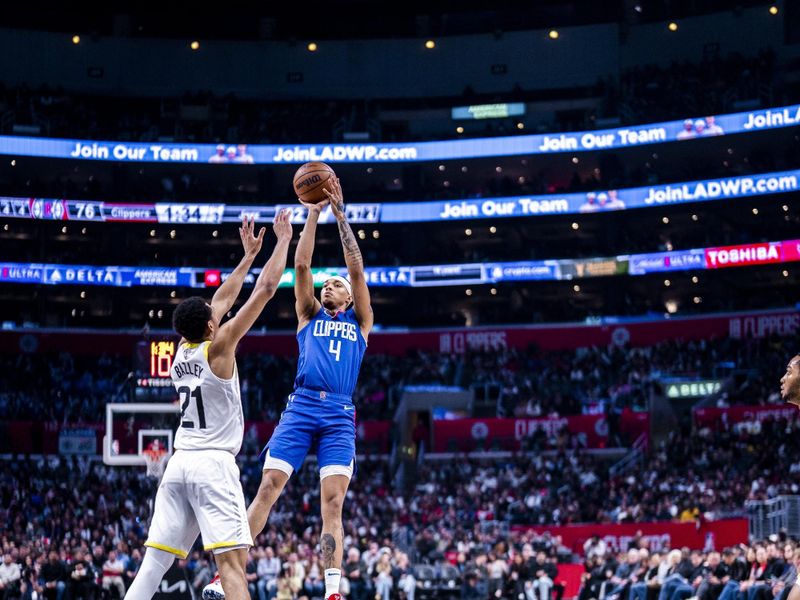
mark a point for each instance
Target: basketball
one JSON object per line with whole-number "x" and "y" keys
{"x": 310, "y": 180}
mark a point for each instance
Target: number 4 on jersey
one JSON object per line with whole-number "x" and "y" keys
{"x": 335, "y": 348}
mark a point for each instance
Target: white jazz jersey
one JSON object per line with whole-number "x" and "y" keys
{"x": 211, "y": 407}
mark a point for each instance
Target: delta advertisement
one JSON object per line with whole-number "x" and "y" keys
{"x": 549, "y": 143}
{"x": 409, "y": 212}
{"x": 418, "y": 276}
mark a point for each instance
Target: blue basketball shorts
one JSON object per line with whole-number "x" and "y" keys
{"x": 314, "y": 419}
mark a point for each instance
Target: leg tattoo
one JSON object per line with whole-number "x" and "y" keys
{"x": 328, "y": 544}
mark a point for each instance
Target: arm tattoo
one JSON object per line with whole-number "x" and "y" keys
{"x": 352, "y": 254}
{"x": 328, "y": 545}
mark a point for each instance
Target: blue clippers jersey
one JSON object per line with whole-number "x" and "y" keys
{"x": 331, "y": 349}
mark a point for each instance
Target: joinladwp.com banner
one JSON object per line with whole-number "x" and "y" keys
{"x": 421, "y": 276}
{"x": 548, "y": 143}
{"x": 708, "y": 190}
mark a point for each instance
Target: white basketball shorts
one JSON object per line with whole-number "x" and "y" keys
{"x": 200, "y": 492}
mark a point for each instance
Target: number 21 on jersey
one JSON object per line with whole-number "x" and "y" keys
{"x": 335, "y": 348}
{"x": 186, "y": 394}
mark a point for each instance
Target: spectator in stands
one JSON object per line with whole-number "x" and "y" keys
{"x": 132, "y": 566}
{"x": 81, "y": 578}
{"x": 623, "y": 576}
{"x": 314, "y": 584}
{"x": 543, "y": 574}
{"x": 251, "y": 574}
{"x": 781, "y": 586}
{"x": 693, "y": 578}
{"x": 776, "y": 566}
{"x": 594, "y": 546}
{"x": 518, "y": 584}
{"x": 10, "y": 578}
{"x": 355, "y": 570}
{"x": 113, "y": 569}
{"x": 383, "y": 575}
{"x": 54, "y": 574}
{"x": 268, "y": 569}
{"x": 287, "y": 584}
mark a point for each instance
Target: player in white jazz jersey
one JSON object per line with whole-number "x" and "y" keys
{"x": 200, "y": 490}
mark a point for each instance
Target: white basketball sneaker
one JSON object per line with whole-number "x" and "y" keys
{"x": 214, "y": 591}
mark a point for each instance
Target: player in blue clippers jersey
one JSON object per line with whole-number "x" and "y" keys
{"x": 332, "y": 337}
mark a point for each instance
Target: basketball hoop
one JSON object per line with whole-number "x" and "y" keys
{"x": 156, "y": 462}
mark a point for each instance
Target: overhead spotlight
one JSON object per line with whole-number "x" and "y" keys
{"x": 430, "y": 44}
{"x": 695, "y": 279}
{"x": 667, "y": 283}
{"x": 575, "y": 226}
{"x": 5, "y": 227}
{"x": 468, "y": 232}
{"x": 13, "y": 162}
{"x": 493, "y": 291}
{"x": 575, "y": 160}
{"x": 695, "y": 218}
{"x": 215, "y": 233}
{"x": 312, "y": 46}
{"x": 673, "y": 26}
{"x": 442, "y": 167}
{"x": 464, "y": 169}
{"x": 671, "y": 306}
{"x": 76, "y": 39}
{"x": 665, "y": 220}
{"x": 520, "y": 125}
{"x": 152, "y": 233}
{"x": 785, "y": 208}
{"x": 697, "y": 299}
{"x": 553, "y": 34}
{"x": 492, "y": 229}
{"x": 172, "y": 234}
{"x": 83, "y": 293}
{"x": 773, "y": 10}
{"x": 151, "y": 314}
{"x": 785, "y": 273}
{"x": 160, "y": 313}
{"x": 173, "y": 293}
{"x": 468, "y": 292}
{"x": 498, "y": 169}
{"x": 195, "y": 45}
{"x": 362, "y": 235}
{"x": 755, "y": 211}
{"x": 64, "y": 229}
{"x": 459, "y": 129}
{"x": 376, "y": 234}
{"x": 576, "y": 288}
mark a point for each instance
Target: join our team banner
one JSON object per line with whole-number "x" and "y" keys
{"x": 408, "y": 212}
{"x": 421, "y": 276}
{"x": 549, "y": 143}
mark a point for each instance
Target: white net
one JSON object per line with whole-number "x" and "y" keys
{"x": 156, "y": 462}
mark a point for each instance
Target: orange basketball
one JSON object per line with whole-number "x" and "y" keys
{"x": 309, "y": 181}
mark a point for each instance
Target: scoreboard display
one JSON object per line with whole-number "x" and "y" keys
{"x": 154, "y": 363}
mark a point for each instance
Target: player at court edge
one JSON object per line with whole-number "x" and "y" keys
{"x": 332, "y": 338}
{"x": 790, "y": 392}
{"x": 200, "y": 491}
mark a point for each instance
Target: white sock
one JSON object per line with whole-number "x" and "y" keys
{"x": 332, "y": 578}
{"x": 154, "y": 566}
